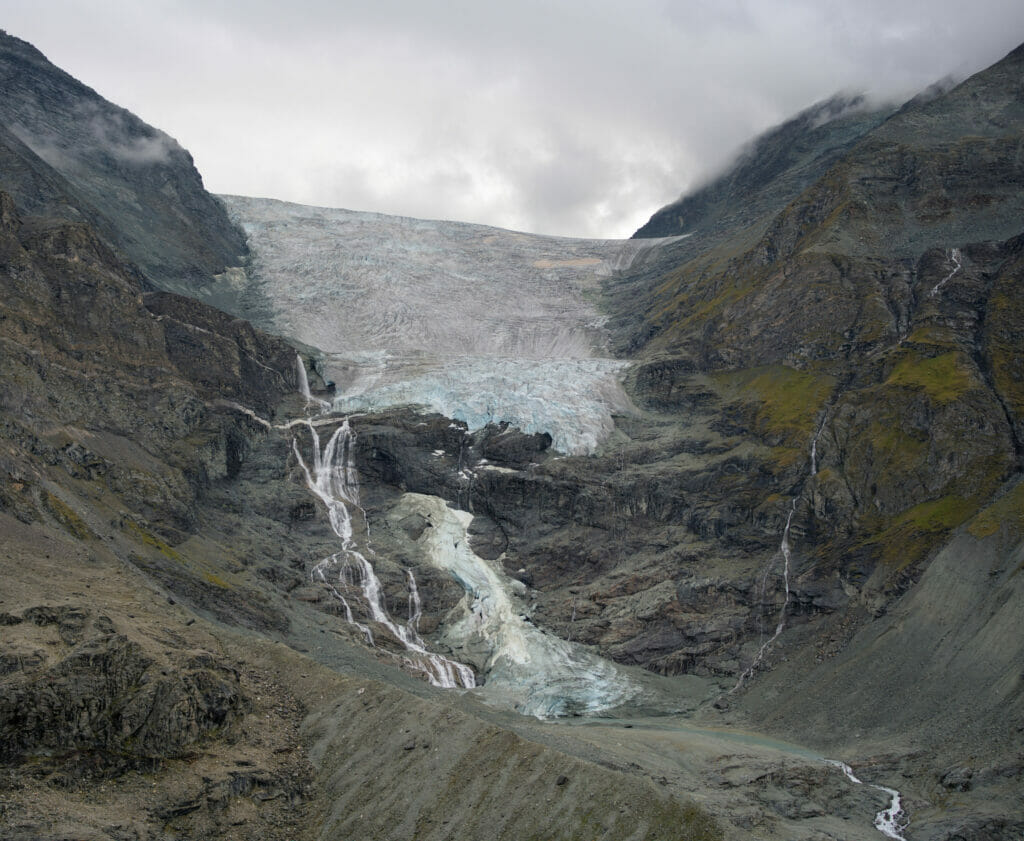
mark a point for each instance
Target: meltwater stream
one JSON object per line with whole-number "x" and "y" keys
{"x": 891, "y": 822}
{"x": 529, "y": 670}
{"x": 332, "y": 477}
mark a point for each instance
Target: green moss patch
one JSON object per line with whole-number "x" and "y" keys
{"x": 788, "y": 401}
{"x": 943, "y": 378}
{"x": 894, "y": 449}
{"x": 152, "y": 540}
{"x": 914, "y": 533}
{"x": 69, "y": 520}
{"x": 197, "y": 565}
{"x": 934, "y": 336}
{"x": 216, "y": 580}
{"x": 1007, "y": 513}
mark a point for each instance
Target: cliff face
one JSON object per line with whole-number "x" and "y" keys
{"x": 856, "y": 347}
{"x": 133, "y": 183}
{"x": 816, "y": 502}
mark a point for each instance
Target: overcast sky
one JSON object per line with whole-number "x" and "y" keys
{"x": 574, "y": 118}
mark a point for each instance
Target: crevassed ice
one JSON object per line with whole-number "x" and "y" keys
{"x": 476, "y": 322}
{"x": 570, "y": 399}
{"x": 532, "y": 670}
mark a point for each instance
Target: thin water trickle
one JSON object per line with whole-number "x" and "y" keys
{"x": 784, "y": 549}
{"x": 814, "y": 448}
{"x": 955, "y": 258}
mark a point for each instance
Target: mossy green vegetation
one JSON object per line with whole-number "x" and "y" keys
{"x": 151, "y": 539}
{"x": 943, "y": 378}
{"x": 788, "y": 401}
{"x": 68, "y": 519}
{"x": 216, "y": 580}
{"x": 209, "y": 573}
{"x": 915, "y": 532}
{"x": 933, "y": 335}
{"x": 1006, "y": 513}
{"x": 894, "y": 449}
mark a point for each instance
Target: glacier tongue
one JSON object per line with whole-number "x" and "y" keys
{"x": 531, "y": 670}
{"x": 477, "y": 323}
{"x": 570, "y": 399}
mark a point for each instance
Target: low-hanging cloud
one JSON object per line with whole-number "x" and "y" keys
{"x": 576, "y": 118}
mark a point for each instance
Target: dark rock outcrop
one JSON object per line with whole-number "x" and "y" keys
{"x": 102, "y": 702}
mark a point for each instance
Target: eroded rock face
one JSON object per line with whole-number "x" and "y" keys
{"x": 222, "y": 355}
{"x": 100, "y": 700}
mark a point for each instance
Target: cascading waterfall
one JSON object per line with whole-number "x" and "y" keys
{"x": 333, "y": 479}
{"x": 955, "y": 257}
{"x": 892, "y": 821}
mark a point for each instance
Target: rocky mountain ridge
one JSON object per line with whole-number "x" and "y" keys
{"x": 168, "y": 655}
{"x": 68, "y": 153}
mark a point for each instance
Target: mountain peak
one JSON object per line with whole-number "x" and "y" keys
{"x": 92, "y": 153}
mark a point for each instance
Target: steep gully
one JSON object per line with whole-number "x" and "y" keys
{"x": 891, "y": 821}
{"x": 563, "y": 678}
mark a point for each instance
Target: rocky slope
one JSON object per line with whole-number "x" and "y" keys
{"x": 809, "y": 521}
{"x": 68, "y": 153}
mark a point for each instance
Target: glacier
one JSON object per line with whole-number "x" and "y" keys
{"x": 480, "y": 324}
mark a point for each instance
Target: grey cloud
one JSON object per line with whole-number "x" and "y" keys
{"x": 570, "y": 118}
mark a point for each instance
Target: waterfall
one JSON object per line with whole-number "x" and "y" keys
{"x": 333, "y": 479}
{"x": 955, "y": 258}
{"x": 784, "y": 549}
{"x": 814, "y": 446}
{"x": 415, "y": 606}
{"x": 890, "y": 821}
{"x": 304, "y": 387}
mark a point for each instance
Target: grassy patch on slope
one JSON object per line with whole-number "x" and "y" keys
{"x": 787, "y": 401}
{"x": 943, "y": 378}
